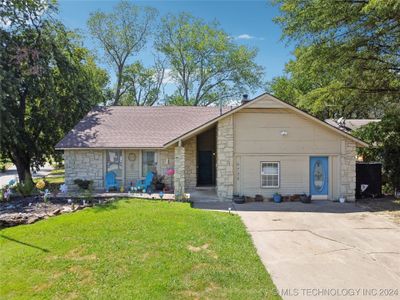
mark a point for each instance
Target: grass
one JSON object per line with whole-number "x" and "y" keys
{"x": 57, "y": 172}
{"x": 56, "y": 176}
{"x": 133, "y": 249}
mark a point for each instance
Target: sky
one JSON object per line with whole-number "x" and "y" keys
{"x": 248, "y": 22}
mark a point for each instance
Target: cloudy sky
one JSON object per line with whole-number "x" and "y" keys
{"x": 248, "y": 22}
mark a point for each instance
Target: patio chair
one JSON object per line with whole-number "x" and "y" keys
{"x": 111, "y": 181}
{"x": 145, "y": 184}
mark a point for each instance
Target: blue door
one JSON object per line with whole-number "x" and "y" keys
{"x": 319, "y": 180}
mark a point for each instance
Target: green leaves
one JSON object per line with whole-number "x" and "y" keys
{"x": 206, "y": 65}
{"x": 49, "y": 82}
{"x": 347, "y": 58}
{"x": 121, "y": 34}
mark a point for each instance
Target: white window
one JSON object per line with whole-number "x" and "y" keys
{"x": 114, "y": 163}
{"x": 270, "y": 174}
{"x": 148, "y": 162}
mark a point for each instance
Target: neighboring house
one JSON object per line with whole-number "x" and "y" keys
{"x": 260, "y": 147}
{"x": 348, "y": 125}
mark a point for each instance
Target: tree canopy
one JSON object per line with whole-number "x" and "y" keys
{"x": 48, "y": 83}
{"x": 347, "y": 57}
{"x": 205, "y": 63}
{"x": 122, "y": 34}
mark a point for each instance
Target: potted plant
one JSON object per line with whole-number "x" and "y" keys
{"x": 238, "y": 199}
{"x": 277, "y": 197}
{"x": 305, "y": 199}
{"x": 158, "y": 182}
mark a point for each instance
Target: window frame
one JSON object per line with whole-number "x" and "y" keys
{"x": 278, "y": 163}
{"x": 142, "y": 160}
{"x": 118, "y": 178}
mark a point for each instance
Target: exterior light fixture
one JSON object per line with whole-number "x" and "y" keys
{"x": 284, "y": 133}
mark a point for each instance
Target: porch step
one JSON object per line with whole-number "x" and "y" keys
{"x": 205, "y": 188}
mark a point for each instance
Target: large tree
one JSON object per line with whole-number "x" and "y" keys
{"x": 206, "y": 65}
{"x": 347, "y": 57}
{"x": 122, "y": 34}
{"x": 48, "y": 81}
{"x": 141, "y": 85}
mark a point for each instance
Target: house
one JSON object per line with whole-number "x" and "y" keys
{"x": 262, "y": 147}
{"x": 349, "y": 125}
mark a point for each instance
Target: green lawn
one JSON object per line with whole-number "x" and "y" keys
{"x": 133, "y": 249}
{"x": 57, "y": 172}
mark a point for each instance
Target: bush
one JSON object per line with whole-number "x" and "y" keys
{"x": 25, "y": 188}
{"x": 84, "y": 184}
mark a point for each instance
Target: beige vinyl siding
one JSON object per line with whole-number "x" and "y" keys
{"x": 258, "y": 139}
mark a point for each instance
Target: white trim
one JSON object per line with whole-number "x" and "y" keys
{"x": 261, "y": 175}
{"x": 141, "y": 160}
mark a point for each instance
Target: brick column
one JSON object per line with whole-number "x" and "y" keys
{"x": 348, "y": 170}
{"x": 179, "y": 176}
{"x": 225, "y": 159}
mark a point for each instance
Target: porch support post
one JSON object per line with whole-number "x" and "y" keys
{"x": 179, "y": 176}
{"x": 225, "y": 159}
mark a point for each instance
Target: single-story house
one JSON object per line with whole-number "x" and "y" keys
{"x": 264, "y": 146}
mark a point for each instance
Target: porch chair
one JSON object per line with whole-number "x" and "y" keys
{"x": 145, "y": 184}
{"x": 111, "y": 181}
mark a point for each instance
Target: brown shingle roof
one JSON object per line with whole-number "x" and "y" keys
{"x": 136, "y": 126}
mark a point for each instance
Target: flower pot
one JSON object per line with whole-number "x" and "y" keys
{"x": 238, "y": 199}
{"x": 277, "y": 198}
{"x": 259, "y": 198}
{"x": 305, "y": 199}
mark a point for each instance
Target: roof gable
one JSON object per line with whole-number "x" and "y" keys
{"x": 268, "y": 101}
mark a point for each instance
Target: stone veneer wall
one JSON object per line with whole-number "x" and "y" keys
{"x": 190, "y": 164}
{"x": 166, "y": 161}
{"x": 348, "y": 170}
{"x": 179, "y": 176}
{"x": 84, "y": 164}
{"x": 225, "y": 158}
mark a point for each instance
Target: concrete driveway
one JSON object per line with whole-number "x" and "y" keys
{"x": 326, "y": 250}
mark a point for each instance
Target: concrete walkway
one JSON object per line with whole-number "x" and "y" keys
{"x": 325, "y": 250}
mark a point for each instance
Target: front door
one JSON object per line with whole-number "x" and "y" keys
{"x": 319, "y": 183}
{"x": 205, "y": 168}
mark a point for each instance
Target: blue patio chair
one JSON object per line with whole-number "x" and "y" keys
{"x": 111, "y": 181}
{"x": 145, "y": 184}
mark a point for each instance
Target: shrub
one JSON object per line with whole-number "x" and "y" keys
{"x": 25, "y": 188}
{"x": 83, "y": 184}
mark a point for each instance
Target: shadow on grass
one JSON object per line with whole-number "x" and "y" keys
{"x": 23, "y": 243}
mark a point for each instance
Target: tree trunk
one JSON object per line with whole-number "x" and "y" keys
{"x": 119, "y": 84}
{"x": 23, "y": 169}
